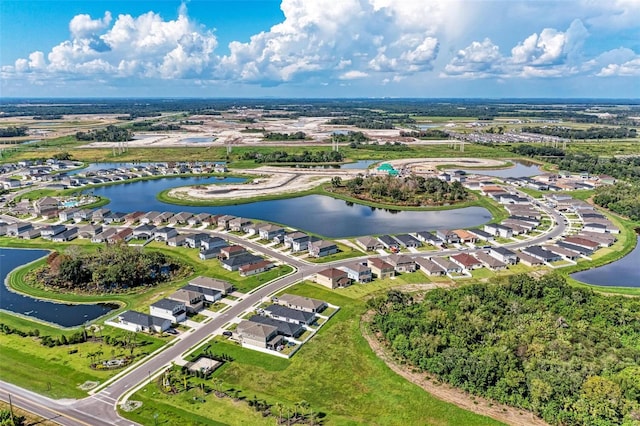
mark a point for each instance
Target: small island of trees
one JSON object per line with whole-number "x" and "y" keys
{"x": 114, "y": 268}
{"x": 406, "y": 191}
{"x": 110, "y": 133}
{"x": 567, "y": 354}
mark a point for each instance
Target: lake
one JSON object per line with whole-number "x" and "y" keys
{"x": 521, "y": 169}
{"x": 65, "y": 315}
{"x": 621, "y": 273}
{"x": 315, "y": 213}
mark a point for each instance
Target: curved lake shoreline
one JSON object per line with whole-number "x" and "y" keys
{"x": 623, "y": 272}
{"x": 53, "y": 312}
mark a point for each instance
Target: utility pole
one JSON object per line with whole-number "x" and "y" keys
{"x": 11, "y": 409}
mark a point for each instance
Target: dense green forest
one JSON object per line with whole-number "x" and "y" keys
{"x": 285, "y": 157}
{"x": 590, "y": 133}
{"x": 155, "y": 127}
{"x": 622, "y": 198}
{"x": 108, "y": 134}
{"x": 408, "y": 191}
{"x": 115, "y": 267}
{"x": 619, "y": 168}
{"x": 568, "y": 354}
{"x": 12, "y": 131}
{"x": 350, "y": 136}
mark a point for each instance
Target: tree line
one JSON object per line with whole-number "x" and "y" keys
{"x": 425, "y": 134}
{"x": 285, "y": 157}
{"x": 109, "y": 134}
{"x": 275, "y": 136}
{"x": 13, "y": 131}
{"x": 622, "y": 198}
{"x": 567, "y": 354}
{"x": 590, "y": 133}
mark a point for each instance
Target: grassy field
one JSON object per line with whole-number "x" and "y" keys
{"x": 55, "y": 372}
{"x": 335, "y": 372}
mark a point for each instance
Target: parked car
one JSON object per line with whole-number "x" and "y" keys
{"x": 227, "y": 333}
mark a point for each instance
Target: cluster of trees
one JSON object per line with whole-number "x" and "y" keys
{"x": 590, "y": 133}
{"x": 621, "y": 198}
{"x": 538, "y": 151}
{"x": 409, "y": 191}
{"x": 350, "y": 136}
{"x": 363, "y": 123}
{"x": 275, "y": 136}
{"x": 425, "y": 134}
{"x": 111, "y": 268}
{"x": 375, "y": 146}
{"x": 150, "y": 126}
{"x": 109, "y": 134}
{"x": 75, "y": 338}
{"x": 13, "y": 131}
{"x": 285, "y": 157}
{"x": 48, "y": 117}
{"x": 138, "y": 114}
{"x": 568, "y": 354}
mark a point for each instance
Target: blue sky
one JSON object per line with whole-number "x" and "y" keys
{"x": 320, "y": 48}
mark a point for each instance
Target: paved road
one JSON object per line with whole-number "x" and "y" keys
{"x": 100, "y": 408}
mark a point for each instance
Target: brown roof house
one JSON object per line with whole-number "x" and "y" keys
{"x": 333, "y": 278}
{"x": 258, "y": 335}
{"x": 380, "y": 268}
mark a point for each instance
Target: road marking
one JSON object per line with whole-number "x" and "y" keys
{"x": 61, "y": 414}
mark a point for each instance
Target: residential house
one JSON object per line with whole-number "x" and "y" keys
{"x": 380, "y": 268}
{"x": 222, "y": 286}
{"x": 199, "y": 219}
{"x": 542, "y": 254}
{"x": 481, "y": 235}
{"x": 447, "y": 265}
{"x": 256, "y": 268}
{"x": 48, "y": 232}
{"x": 258, "y": 335}
{"x": 66, "y": 235}
{"x": 181, "y": 218}
{"x": 209, "y": 295}
{"x": 121, "y": 235}
{"x": 389, "y": 242}
{"x": 490, "y": 261}
{"x": 103, "y": 236}
{"x": 369, "y": 243}
{"x": 45, "y": 203}
{"x": 163, "y": 217}
{"x": 429, "y": 238}
{"x": 29, "y": 234}
{"x": 408, "y": 241}
{"x": 235, "y": 262}
{"x": 269, "y": 231}
{"x": 170, "y": 309}
{"x": 224, "y": 221}
{"x": 529, "y": 260}
{"x": 133, "y": 217}
{"x": 179, "y": 240}
{"x": 284, "y": 328}
{"x": 17, "y": 228}
{"x": 333, "y": 278}
{"x": 302, "y": 243}
{"x": 164, "y": 233}
{"x": 232, "y": 251}
{"x": 98, "y": 215}
{"x": 238, "y": 223}
{"x": 89, "y": 231}
{"x": 430, "y": 268}
{"x": 322, "y": 248}
{"x": 145, "y": 231}
{"x": 448, "y": 236}
{"x": 302, "y": 303}
{"x": 579, "y": 249}
{"x": 113, "y": 217}
{"x": 466, "y": 261}
{"x": 149, "y": 217}
{"x": 82, "y": 215}
{"x": 563, "y": 251}
{"x": 358, "y": 272}
{"x": 67, "y": 214}
{"x": 498, "y": 230}
{"x": 193, "y": 300}
{"x": 582, "y": 242}
{"x": 137, "y": 321}
{"x": 465, "y": 236}
{"x": 283, "y": 313}
{"x": 504, "y": 255}
{"x": 195, "y": 240}
{"x": 401, "y": 262}
{"x": 213, "y": 242}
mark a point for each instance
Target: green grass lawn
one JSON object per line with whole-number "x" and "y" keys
{"x": 336, "y": 372}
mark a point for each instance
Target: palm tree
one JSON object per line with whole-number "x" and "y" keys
{"x": 304, "y": 405}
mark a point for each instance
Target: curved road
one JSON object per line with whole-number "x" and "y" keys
{"x": 100, "y": 408}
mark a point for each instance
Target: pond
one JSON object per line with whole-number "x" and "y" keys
{"x": 621, "y": 273}
{"x": 65, "y": 315}
{"x": 315, "y": 213}
{"x": 521, "y": 169}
